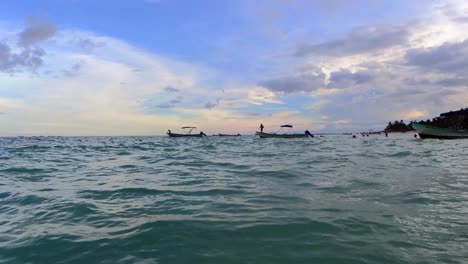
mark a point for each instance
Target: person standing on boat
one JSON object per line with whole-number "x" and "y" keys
{"x": 261, "y": 127}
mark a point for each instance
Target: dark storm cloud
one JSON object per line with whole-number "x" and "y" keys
{"x": 359, "y": 40}
{"x": 305, "y": 82}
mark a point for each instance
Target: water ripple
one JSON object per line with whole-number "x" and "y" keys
{"x": 330, "y": 199}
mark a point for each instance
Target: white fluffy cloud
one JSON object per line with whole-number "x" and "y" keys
{"x": 89, "y": 84}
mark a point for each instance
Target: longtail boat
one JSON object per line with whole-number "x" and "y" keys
{"x": 426, "y": 131}
{"x": 187, "y": 133}
{"x": 286, "y": 134}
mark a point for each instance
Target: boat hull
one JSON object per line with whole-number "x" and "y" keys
{"x": 184, "y": 135}
{"x": 426, "y": 131}
{"x": 274, "y": 135}
{"x": 228, "y": 135}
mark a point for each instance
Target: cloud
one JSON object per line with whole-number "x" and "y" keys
{"x": 171, "y": 89}
{"x": 28, "y": 58}
{"x": 461, "y": 19}
{"x": 330, "y": 6}
{"x": 172, "y": 103}
{"x": 149, "y": 103}
{"x": 165, "y": 105}
{"x": 73, "y": 70}
{"x": 35, "y": 32}
{"x": 457, "y": 81}
{"x": 210, "y": 105}
{"x": 10, "y": 104}
{"x": 447, "y": 57}
{"x": 302, "y": 82}
{"x": 261, "y": 96}
{"x": 89, "y": 45}
{"x": 253, "y": 114}
{"x": 360, "y": 40}
{"x": 414, "y": 114}
{"x": 406, "y": 93}
{"x": 345, "y": 78}
{"x": 93, "y": 102}
{"x": 392, "y": 77}
{"x": 411, "y": 71}
{"x": 177, "y": 100}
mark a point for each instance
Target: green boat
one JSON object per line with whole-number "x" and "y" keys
{"x": 426, "y": 131}
{"x": 284, "y": 135}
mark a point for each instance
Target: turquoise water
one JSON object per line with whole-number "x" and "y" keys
{"x": 330, "y": 199}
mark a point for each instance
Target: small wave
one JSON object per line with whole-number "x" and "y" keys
{"x": 22, "y": 200}
{"x": 5, "y": 195}
{"x": 46, "y": 190}
{"x": 123, "y": 153}
{"x": 410, "y": 197}
{"x": 128, "y": 166}
{"x": 273, "y": 173}
{"x": 68, "y": 212}
{"x": 138, "y": 147}
{"x": 334, "y": 189}
{"x": 33, "y": 178}
{"x": 361, "y": 183}
{"x": 400, "y": 154}
{"x": 234, "y": 200}
{"x": 126, "y": 193}
{"x": 26, "y": 170}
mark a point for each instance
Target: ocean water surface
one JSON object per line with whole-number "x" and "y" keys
{"x": 330, "y": 199}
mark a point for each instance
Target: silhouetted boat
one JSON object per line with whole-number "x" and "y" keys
{"x": 426, "y": 131}
{"x": 188, "y": 133}
{"x": 229, "y": 135}
{"x": 287, "y": 134}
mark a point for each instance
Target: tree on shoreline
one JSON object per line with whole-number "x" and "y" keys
{"x": 453, "y": 119}
{"x": 398, "y": 126}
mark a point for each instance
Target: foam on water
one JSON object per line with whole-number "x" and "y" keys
{"x": 329, "y": 199}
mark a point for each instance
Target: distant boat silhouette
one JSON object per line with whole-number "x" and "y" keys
{"x": 187, "y": 133}
{"x": 286, "y": 134}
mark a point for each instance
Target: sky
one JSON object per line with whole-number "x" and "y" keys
{"x": 141, "y": 67}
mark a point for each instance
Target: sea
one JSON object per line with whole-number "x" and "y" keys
{"x": 327, "y": 199}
